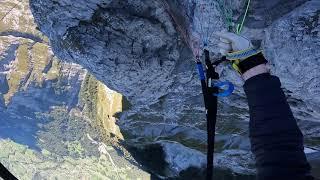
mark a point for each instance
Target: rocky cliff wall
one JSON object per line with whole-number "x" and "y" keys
{"x": 145, "y": 49}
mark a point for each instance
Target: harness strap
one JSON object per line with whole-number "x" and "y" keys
{"x": 211, "y": 103}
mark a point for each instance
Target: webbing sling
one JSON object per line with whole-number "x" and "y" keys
{"x": 211, "y": 103}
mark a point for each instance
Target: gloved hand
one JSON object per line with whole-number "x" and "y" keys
{"x": 230, "y": 42}
{"x": 240, "y": 51}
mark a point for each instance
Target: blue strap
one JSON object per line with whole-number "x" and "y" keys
{"x": 201, "y": 72}
{"x": 220, "y": 85}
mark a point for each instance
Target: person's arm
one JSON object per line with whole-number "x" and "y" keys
{"x": 276, "y": 140}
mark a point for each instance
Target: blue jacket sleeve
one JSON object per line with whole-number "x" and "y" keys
{"x": 276, "y": 140}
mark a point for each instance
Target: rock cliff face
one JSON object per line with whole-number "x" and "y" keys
{"x": 144, "y": 49}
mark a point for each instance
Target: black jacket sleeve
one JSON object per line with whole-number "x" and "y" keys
{"x": 276, "y": 140}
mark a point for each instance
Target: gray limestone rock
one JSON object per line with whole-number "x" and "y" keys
{"x": 144, "y": 49}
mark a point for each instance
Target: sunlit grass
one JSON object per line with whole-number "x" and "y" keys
{"x": 101, "y": 104}
{"x": 21, "y": 70}
{"x": 26, "y": 164}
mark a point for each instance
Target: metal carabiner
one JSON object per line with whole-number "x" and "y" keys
{"x": 222, "y": 85}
